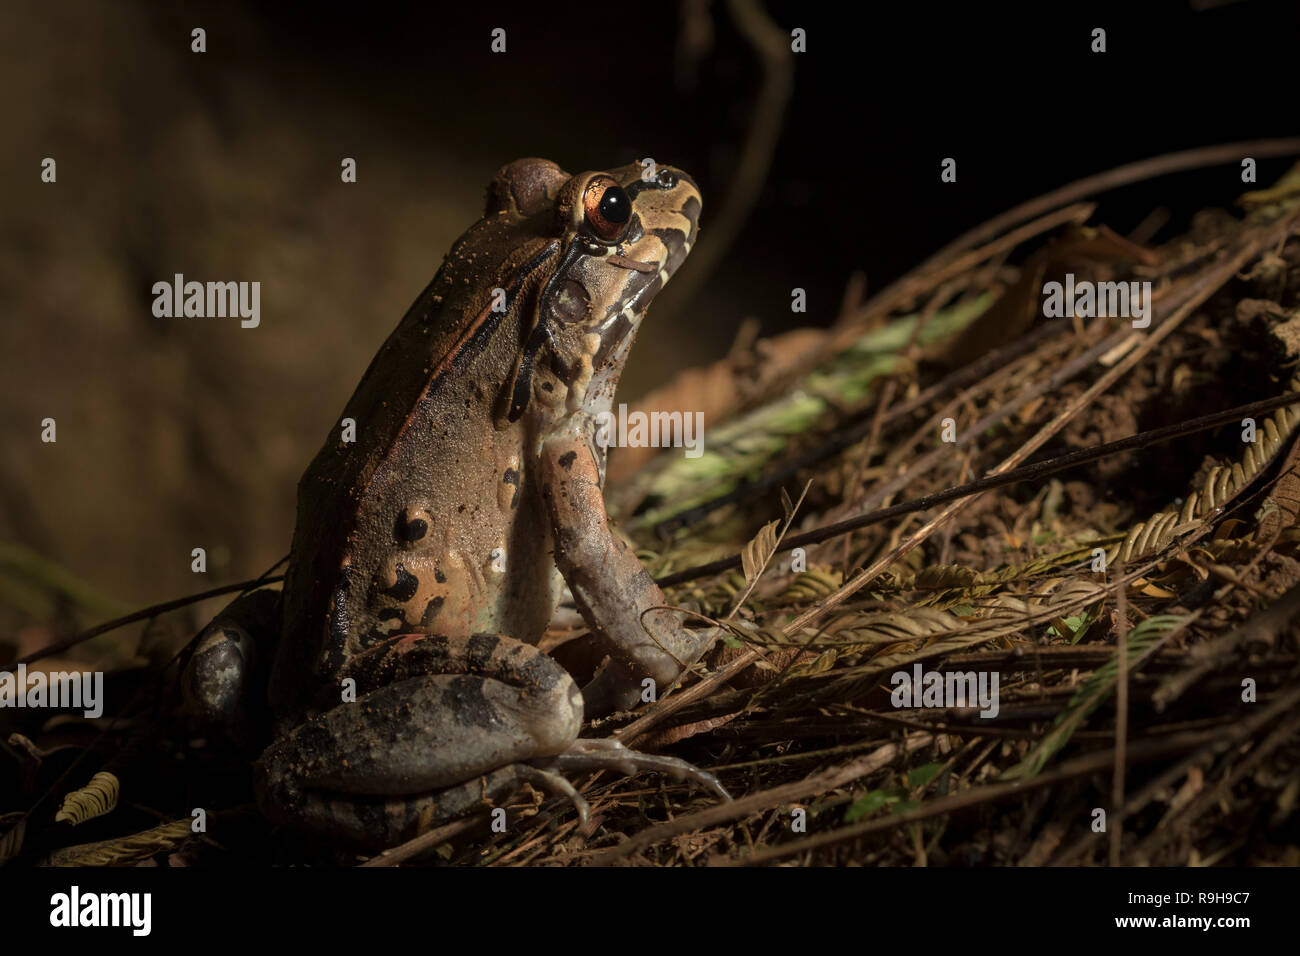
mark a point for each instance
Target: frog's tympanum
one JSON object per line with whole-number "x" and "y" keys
{"x": 405, "y": 686}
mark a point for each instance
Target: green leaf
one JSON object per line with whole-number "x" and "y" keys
{"x": 920, "y": 776}
{"x": 868, "y": 804}
{"x": 1142, "y": 640}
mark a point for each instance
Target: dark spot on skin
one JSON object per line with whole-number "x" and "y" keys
{"x": 412, "y": 530}
{"x": 376, "y": 635}
{"x": 461, "y": 508}
{"x": 438, "y": 575}
{"x": 406, "y": 586}
{"x": 391, "y": 614}
{"x": 567, "y": 459}
{"x": 428, "y": 655}
{"x": 463, "y": 699}
{"x": 511, "y": 477}
{"x": 478, "y": 652}
{"x": 431, "y": 611}
{"x": 547, "y": 387}
{"x": 541, "y": 672}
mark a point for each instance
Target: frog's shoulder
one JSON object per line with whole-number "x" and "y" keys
{"x": 448, "y": 329}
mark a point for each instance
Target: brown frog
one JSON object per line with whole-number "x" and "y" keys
{"x": 427, "y": 559}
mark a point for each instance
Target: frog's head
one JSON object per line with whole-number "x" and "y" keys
{"x": 620, "y": 235}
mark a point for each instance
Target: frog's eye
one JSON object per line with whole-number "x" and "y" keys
{"x": 607, "y": 208}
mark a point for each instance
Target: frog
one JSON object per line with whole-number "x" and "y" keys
{"x": 403, "y": 683}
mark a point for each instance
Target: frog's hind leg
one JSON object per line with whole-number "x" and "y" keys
{"x": 439, "y": 726}
{"x": 606, "y": 753}
{"x": 223, "y": 684}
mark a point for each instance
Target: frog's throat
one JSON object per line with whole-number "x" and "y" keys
{"x": 612, "y": 331}
{"x": 615, "y": 331}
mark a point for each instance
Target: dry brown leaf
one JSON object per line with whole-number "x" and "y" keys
{"x": 757, "y": 552}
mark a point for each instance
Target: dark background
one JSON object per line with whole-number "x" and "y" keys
{"x": 175, "y": 434}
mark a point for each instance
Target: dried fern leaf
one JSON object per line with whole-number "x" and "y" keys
{"x": 124, "y": 851}
{"x": 93, "y": 800}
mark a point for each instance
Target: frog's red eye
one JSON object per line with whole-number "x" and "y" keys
{"x": 607, "y": 208}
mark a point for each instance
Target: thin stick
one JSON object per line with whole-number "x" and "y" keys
{"x": 148, "y": 612}
{"x": 425, "y": 841}
{"x": 1116, "y": 822}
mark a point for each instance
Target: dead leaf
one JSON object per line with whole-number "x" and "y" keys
{"x": 756, "y": 554}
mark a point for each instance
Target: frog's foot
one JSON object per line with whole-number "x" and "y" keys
{"x": 557, "y": 785}
{"x": 605, "y": 753}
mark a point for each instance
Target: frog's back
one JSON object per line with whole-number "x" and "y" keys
{"x": 407, "y": 528}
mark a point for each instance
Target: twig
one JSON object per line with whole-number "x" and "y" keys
{"x": 1116, "y": 823}
{"x": 150, "y": 612}
{"x": 426, "y": 841}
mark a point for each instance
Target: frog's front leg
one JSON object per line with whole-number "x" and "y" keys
{"x": 439, "y": 725}
{"x": 611, "y": 588}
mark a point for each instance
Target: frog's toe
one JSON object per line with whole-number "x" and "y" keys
{"x": 604, "y": 753}
{"x": 558, "y": 786}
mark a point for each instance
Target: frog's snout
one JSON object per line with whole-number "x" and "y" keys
{"x": 680, "y": 215}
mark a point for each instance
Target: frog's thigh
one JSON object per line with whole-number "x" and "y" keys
{"x": 455, "y": 709}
